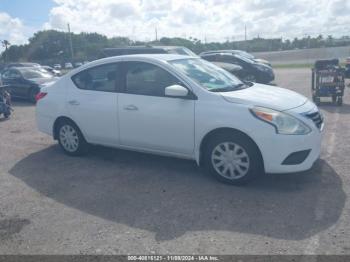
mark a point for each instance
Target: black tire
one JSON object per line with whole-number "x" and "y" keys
{"x": 317, "y": 100}
{"x": 339, "y": 101}
{"x": 82, "y": 146}
{"x": 334, "y": 99}
{"x": 254, "y": 158}
{"x": 32, "y": 94}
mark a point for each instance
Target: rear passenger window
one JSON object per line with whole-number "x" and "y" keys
{"x": 101, "y": 78}
{"x": 147, "y": 79}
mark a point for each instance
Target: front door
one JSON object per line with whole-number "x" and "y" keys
{"x": 150, "y": 120}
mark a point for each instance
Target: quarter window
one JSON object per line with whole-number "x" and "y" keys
{"x": 101, "y": 78}
{"x": 147, "y": 79}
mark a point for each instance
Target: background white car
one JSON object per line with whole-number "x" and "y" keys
{"x": 68, "y": 65}
{"x": 184, "y": 107}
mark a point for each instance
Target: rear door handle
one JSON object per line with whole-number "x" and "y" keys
{"x": 73, "y": 103}
{"x": 131, "y": 108}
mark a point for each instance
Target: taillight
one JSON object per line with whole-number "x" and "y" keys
{"x": 40, "y": 95}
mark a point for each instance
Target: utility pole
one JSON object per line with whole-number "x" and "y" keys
{"x": 70, "y": 42}
{"x": 156, "y": 31}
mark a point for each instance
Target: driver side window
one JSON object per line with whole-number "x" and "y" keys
{"x": 147, "y": 79}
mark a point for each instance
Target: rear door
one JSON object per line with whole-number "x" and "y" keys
{"x": 93, "y": 101}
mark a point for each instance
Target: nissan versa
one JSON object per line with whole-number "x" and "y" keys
{"x": 184, "y": 107}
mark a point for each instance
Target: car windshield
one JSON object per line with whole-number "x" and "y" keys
{"x": 208, "y": 75}
{"x": 32, "y": 74}
{"x": 245, "y": 59}
{"x": 245, "y": 55}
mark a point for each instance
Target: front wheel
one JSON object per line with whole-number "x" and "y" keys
{"x": 71, "y": 139}
{"x": 233, "y": 158}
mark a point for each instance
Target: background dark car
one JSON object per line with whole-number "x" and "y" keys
{"x": 252, "y": 71}
{"x": 24, "y": 64}
{"x": 232, "y": 68}
{"x": 133, "y": 50}
{"x": 52, "y": 70}
{"x": 240, "y": 53}
{"x": 25, "y": 82}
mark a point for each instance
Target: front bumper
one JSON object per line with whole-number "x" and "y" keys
{"x": 276, "y": 152}
{"x": 283, "y": 146}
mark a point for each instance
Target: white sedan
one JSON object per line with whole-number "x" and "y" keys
{"x": 183, "y": 107}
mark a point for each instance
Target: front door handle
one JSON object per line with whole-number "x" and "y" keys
{"x": 131, "y": 108}
{"x": 73, "y": 103}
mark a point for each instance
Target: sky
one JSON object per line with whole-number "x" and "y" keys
{"x": 207, "y": 20}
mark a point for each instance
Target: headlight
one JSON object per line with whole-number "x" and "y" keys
{"x": 285, "y": 124}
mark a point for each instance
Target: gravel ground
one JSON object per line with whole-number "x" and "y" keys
{"x": 120, "y": 202}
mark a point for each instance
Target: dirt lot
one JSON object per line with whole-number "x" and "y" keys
{"x": 119, "y": 202}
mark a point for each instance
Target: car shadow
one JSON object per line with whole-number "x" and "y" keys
{"x": 18, "y": 102}
{"x": 332, "y": 108}
{"x": 171, "y": 197}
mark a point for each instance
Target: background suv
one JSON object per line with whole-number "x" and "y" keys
{"x": 251, "y": 70}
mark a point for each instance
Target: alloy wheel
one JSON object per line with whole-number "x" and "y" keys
{"x": 69, "y": 138}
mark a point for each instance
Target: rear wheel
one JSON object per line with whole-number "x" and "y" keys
{"x": 71, "y": 139}
{"x": 334, "y": 99}
{"x": 317, "y": 100}
{"x": 339, "y": 101}
{"x": 232, "y": 158}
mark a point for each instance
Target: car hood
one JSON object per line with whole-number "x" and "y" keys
{"x": 262, "y": 61}
{"x": 266, "y": 96}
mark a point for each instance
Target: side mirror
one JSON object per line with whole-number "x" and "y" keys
{"x": 176, "y": 91}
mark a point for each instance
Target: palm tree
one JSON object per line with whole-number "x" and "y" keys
{"x": 6, "y": 44}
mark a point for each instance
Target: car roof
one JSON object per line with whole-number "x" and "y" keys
{"x": 159, "y": 57}
{"x": 149, "y": 49}
{"x": 222, "y": 52}
{"x": 138, "y": 57}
